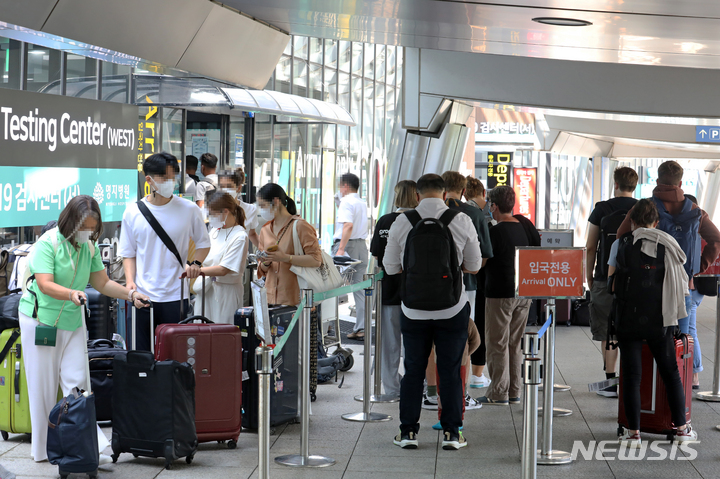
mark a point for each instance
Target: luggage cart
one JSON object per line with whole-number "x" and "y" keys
{"x": 347, "y": 270}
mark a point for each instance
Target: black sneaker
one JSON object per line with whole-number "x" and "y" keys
{"x": 453, "y": 441}
{"x": 609, "y": 392}
{"x": 407, "y": 440}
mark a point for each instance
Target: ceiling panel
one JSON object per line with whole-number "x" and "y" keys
{"x": 168, "y": 25}
{"x": 32, "y": 14}
{"x": 646, "y": 32}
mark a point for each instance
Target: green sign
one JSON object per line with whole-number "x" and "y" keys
{"x": 32, "y": 196}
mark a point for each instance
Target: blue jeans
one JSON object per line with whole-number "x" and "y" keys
{"x": 688, "y": 326}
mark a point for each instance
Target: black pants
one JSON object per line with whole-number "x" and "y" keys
{"x": 662, "y": 347}
{"x": 478, "y": 357}
{"x": 449, "y": 337}
{"x": 164, "y": 313}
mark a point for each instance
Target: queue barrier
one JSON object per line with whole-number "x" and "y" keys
{"x": 265, "y": 361}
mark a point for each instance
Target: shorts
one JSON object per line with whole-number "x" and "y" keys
{"x": 600, "y": 307}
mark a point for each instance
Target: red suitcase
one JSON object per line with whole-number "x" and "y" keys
{"x": 215, "y": 353}
{"x": 654, "y": 408}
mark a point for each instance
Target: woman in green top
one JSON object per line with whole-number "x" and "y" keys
{"x": 64, "y": 261}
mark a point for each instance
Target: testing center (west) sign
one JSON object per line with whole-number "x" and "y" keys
{"x": 56, "y": 147}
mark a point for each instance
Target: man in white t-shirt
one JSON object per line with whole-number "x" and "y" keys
{"x": 191, "y": 180}
{"x": 208, "y": 165}
{"x": 231, "y": 182}
{"x": 150, "y": 266}
{"x": 351, "y": 231}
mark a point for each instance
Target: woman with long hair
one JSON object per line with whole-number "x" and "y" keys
{"x": 280, "y": 213}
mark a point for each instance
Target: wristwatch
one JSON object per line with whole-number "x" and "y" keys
{"x": 194, "y": 262}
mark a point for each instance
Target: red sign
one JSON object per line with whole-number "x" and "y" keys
{"x": 550, "y": 273}
{"x": 525, "y": 192}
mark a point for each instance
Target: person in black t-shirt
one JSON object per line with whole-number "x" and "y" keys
{"x": 405, "y": 199}
{"x": 600, "y": 300}
{"x": 505, "y": 315}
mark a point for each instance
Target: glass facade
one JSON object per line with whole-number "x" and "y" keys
{"x": 307, "y": 158}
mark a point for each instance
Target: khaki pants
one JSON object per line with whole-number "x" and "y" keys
{"x": 505, "y": 321}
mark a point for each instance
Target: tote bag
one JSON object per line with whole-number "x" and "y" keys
{"x": 320, "y": 279}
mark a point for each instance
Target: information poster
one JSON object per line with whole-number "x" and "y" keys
{"x": 525, "y": 192}
{"x": 33, "y": 196}
{"x": 239, "y": 156}
{"x": 499, "y": 165}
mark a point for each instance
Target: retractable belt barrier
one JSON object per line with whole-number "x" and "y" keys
{"x": 319, "y": 297}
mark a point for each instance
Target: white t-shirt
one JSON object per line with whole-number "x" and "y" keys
{"x": 353, "y": 209}
{"x": 251, "y": 214}
{"x": 158, "y": 271}
{"x": 229, "y": 248}
{"x": 190, "y": 187}
{"x": 203, "y": 186}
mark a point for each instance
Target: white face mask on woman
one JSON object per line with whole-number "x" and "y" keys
{"x": 83, "y": 236}
{"x": 165, "y": 189}
{"x": 217, "y": 221}
{"x": 267, "y": 214}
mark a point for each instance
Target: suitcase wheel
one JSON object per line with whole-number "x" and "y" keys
{"x": 135, "y": 456}
{"x": 313, "y": 397}
{"x": 93, "y": 475}
{"x": 115, "y": 458}
{"x": 620, "y": 431}
{"x": 232, "y": 444}
{"x": 5, "y": 435}
{"x": 189, "y": 459}
{"x": 349, "y": 363}
{"x": 670, "y": 437}
{"x": 168, "y": 465}
{"x": 64, "y": 475}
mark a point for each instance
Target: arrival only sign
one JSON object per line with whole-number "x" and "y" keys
{"x": 549, "y": 273}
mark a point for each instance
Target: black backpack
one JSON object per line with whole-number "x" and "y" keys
{"x": 638, "y": 290}
{"x": 431, "y": 278}
{"x": 608, "y": 234}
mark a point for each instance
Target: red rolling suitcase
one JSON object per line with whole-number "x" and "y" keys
{"x": 654, "y": 408}
{"x": 215, "y": 353}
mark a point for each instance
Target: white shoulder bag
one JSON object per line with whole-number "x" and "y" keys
{"x": 320, "y": 279}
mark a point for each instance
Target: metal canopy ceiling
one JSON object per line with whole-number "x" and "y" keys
{"x": 160, "y": 90}
{"x": 652, "y": 32}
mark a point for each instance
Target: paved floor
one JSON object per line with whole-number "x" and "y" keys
{"x": 494, "y": 435}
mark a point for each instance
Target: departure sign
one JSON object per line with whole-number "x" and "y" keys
{"x": 549, "y": 273}
{"x": 525, "y": 192}
{"x": 499, "y": 165}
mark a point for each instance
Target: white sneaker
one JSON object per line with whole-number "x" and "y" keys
{"x": 471, "y": 403}
{"x": 430, "y": 402}
{"x": 105, "y": 459}
{"x": 631, "y": 441}
{"x": 481, "y": 381}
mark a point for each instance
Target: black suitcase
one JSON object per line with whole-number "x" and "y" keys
{"x": 285, "y": 382}
{"x": 101, "y": 323}
{"x": 101, "y": 353}
{"x": 580, "y": 314}
{"x": 153, "y": 408}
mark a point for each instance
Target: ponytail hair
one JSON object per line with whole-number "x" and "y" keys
{"x": 220, "y": 201}
{"x": 271, "y": 191}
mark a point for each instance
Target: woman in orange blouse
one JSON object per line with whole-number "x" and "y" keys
{"x": 280, "y": 213}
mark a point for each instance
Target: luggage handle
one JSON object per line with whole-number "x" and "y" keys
{"x": 84, "y": 309}
{"x": 182, "y": 294}
{"x": 100, "y": 342}
{"x": 133, "y": 337}
{"x": 192, "y": 319}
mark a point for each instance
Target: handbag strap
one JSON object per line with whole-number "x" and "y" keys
{"x": 13, "y": 337}
{"x": 296, "y": 241}
{"x": 284, "y": 230}
{"x": 162, "y": 234}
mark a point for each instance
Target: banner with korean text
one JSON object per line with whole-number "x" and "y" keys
{"x": 549, "y": 272}
{"x": 525, "y": 181}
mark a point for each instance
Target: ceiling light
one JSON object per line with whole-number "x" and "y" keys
{"x": 562, "y": 22}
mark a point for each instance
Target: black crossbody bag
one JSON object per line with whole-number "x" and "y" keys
{"x": 162, "y": 234}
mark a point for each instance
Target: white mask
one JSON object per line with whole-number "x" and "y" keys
{"x": 217, "y": 221}
{"x": 267, "y": 214}
{"x": 229, "y": 191}
{"x": 83, "y": 236}
{"x": 165, "y": 189}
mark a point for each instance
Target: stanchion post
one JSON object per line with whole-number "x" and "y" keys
{"x": 714, "y": 395}
{"x": 532, "y": 375}
{"x": 263, "y": 367}
{"x": 366, "y": 415}
{"x": 377, "y": 396}
{"x": 304, "y": 459}
{"x": 548, "y": 456}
